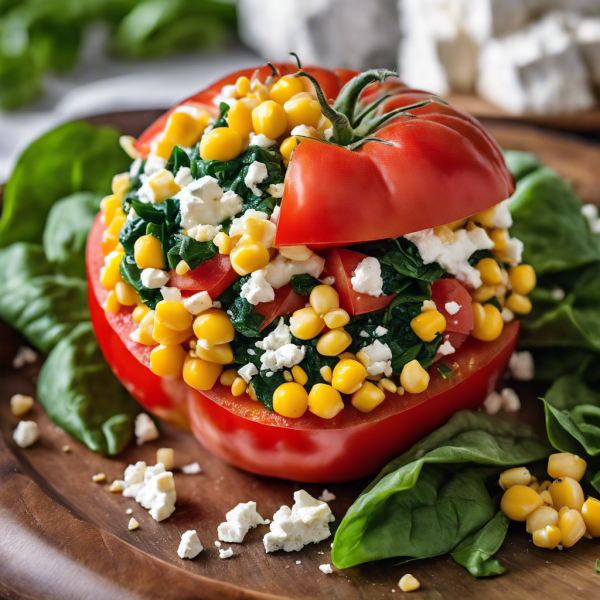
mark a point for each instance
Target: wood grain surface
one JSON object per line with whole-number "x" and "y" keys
{"x": 63, "y": 536}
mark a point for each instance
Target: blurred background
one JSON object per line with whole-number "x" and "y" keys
{"x": 536, "y": 60}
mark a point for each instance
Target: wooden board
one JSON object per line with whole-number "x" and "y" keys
{"x": 63, "y": 536}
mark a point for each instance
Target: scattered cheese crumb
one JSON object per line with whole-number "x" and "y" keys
{"x": 428, "y": 305}
{"x": 327, "y": 496}
{"x": 116, "y": 486}
{"x": 326, "y": 569}
{"x": 192, "y": 469}
{"x": 408, "y": 583}
{"x": 218, "y": 544}
{"x": 380, "y": 331}
{"x": 166, "y": 456}
{"x": 129, "y": 511}
{"x": 133, "y": 524}
{"x": 190, "y": 545}
{"x": 238, "y": 522}
{"x": 507, "y": 315}
{"x": 24, "y": 356}
{"x": 521, "y": 366}
{"x": 226, "y": 553}
{"x": 66, "y": 449}
{"x": 98, "y": 478}
{"x": 452, "y": 307}
{"x": 446, "y": 348}
{"x": 198, "y": 303}
{"x": 26, "y": 434}
{"x": 298, "y": 562}
{"x": 506, "y": 399}
{"x": 20, "y": 404}
{"x": 145, "y": 429}
{"x": 247, "y": 372}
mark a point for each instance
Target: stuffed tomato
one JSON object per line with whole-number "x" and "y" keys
{"x": 312, "y": 269}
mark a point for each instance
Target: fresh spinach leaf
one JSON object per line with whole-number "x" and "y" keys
{"x": 131, "y": 232}
{"x": 265, "y": 384}
{"x": 132, "y": 275}
{"x": 222, "y": 119}
{"x": 179, "y": 158}
{"x": 304, "y": 284}
{"x": 521, "y": 164}
{"x": 80, "y": 394}
{"x": 166, "y": 212}
{"x": 243, "y": 318}
{"x": 186, "y": 248}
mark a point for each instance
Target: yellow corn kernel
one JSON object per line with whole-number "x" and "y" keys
{"x": 519, "y": 501}
{"x": 242, "y": 86}
{"x": 326, "y": 373}
{"x": 269, "y": 118}
{"x": 116, "y": 223}
{"x": 299, "y": 375}
{"x": 485, "y": 218}
{"x": 214, "y": 326}
{"x": 166, "y": 456}
{"x": 347, "y": 356}
{"x": 167, "y": 361}
{"x": 591, "y": 516}
{"x": 109, "y": 242}
{"x": 139, "y": 312}
{"x": 490, "y": 271}
{"x": 522, "y": 279}
{"x": 516, "y": 476}
{"x": 200, "y": 374}
{"x": 518, "y": 304}
{"x": 363, "y": 359}
{"x": 296, "y": 252}
{"x": 325, "y": 401}
{"x": 126, "y": 294}
{"x": 110, "y": 274}
{"x": 542, "y": 517}
{"x": 387, "y": 385}
{"x": 572, "y": 527}
{"x": 262, "y": 231}
{"x": 534, "y": 485}
{"x": 148, "y": 319}
{"x": 221, "y": 143}
{"x": 428, "y": 324}
{"x": 109, "y": 205}
{"x": 287, "y": 147}
{"x": 259, "y": 91}
{"x": 120, "y": 185}
{"x": 483, "y": 293}
{"x": 324, "y": 125}
{"x": 348, "y": 376}
{"x": 336, "y": 317}
{"x": 306, "y": 323}
{"x": 173, "y": 315}
{"x": 287, "y": 376}
{"x": 562, "y": 511}
{"x": 544, "y": 485}
{"x": 566, "y": 492}
{"x": 182, "y": 268}
{"x": 167, "y": 336}
{"x": 334, "y": 342}
{"x": 228, "y": 377}
{"x": 444, "y": 233}
{"x": 112, "y": 303}
{"x": 547, "y": 537}
{"x": 249, "y": 256}
{"x": 239, "y": 117}
{"x": 184, "y": 127}
{"x": 238, "y": 387}
{"x": 221, "y": 354}
{"x": 454, "y": 225}
{"x": 500, "y": 239}
{"x": 488, "y": 323}
{"x": 368, "y": 397}
{"x": 565, "y": 464}
{"x": 252, "y": 393}
{"x": 223, "y": 242}
{"x": 408, "y": 583}
{"x": 143, "y": 335}
{"x": 324, "y": 298}
{"x": 148, "y": 253}
{"x": 285, "y": 89}
{"x": 127, "y": 142}
{"x": 290, "y": 400}
{"x": 546, "y": 497}
{"x": 302, "y": 111}
{"x": 163, "y": 185}
{"x": 414, "y": 378}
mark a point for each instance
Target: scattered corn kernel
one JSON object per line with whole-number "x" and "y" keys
{"x": 408, "y": 583}
{"x": 572, "y": 527}
{"x": 518, "y": 304}
{"x": 541, "y": 517}
{"x": 547, "y": 537}
{"x": 285, "y": 89}
{"x": 296, "y": 252}
{"x": 133, "y": 524}
{"x": 428, "y": 324}
{"x": 223, "y": 242}
{"x": 143, "y": 335}
{"x": 290, "y": 400}
{"x": 414, "y": 378}
{"x": 261, "y": 231}
{"x": 167, "y": 336}
{"x": 334, "y": 342}
{"x": 326, "y": 373}
{"x": 228, "y": 377}
{"x": 20, "y": 404}
{"x": 221, "y": 143}
{"x": 238, "y": 387}
{"x": 325, "y": 401}
{"x": 546, "y": 496}
{"x": 516, "y": 476}
{"x": 488, "y": 323}
{"x": 163, "y": 186}
{"x": 242, "y": 86}
{"x": 182, "y": 268}
{"x": 544, "y": 485}
{"x": 173, "y": 315}
{"x": 591, "y": 516}
{"x": 148, "y": 253}
{"x": 485, "y": 218}
{"x": 387, "y": 385}
{"x": 239, "y": 117}
{"x": 565, "y": 464}
{"x": 566, "y": 492}
{"x": 98, "y": 478}
{"x": 519, "y": 501}
{"x": 490, "y": 271}
{"x": 348, "y": 376}
{"x": 110, "y": 274}
{"x": 368, "y": 397}
{"x": 336, "y": 317}
{"x": 287, "y": 147}
{"x": 167, "y": 361}
{"x": 112, "y": 303}
{"x": 166, "y": 456}
{"x": 116, "y": 487}
{"x": 522, "y": 279}
{"x": 126, "y": 294}
{"x": 249, "y": 256}
{"x": 221, "y": 354}
{"x": 288, "y": 376}
{"x": 306, "y": 323}
{"x": 299, "y": 375}
{"x": 302, "y": 111}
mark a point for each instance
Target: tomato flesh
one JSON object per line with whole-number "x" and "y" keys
{"x": 444, "y": 291}
{"x": 286, "y": 303}
{"x": 213, "y": 276}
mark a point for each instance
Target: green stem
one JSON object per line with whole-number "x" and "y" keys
{"x": 374, "y": 124}
{"x": 369, "y": 109}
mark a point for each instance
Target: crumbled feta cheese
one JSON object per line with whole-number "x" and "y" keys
{"x": 218, "y": 544}
{"x": 327, "y": 496}
{"x": 446, "y": 348}
{"x": 183, "y": 178}
{"x": 280, "y": 270}
{"x": 134, "y": 169}
{"x": 328, "y": 280}
{"x": 502, "y": 216}
{"x": 302, "y": 131}
{"x": 428, "y": 305}
{"x": 192, "y": 469}
{"x": 277, "y": 210}
{"x": 171, "y": 294}
{"x": 238, "y": 224}
{"x": 493, "y": 403}
{"x": 262, "y": 141}
{"x": 452, "y": 307}
{"x": 154, "y": 164}
{"x": 513, "y": 251}
{"x": 276, "y": 190}
{"x": 257, "y": 289}
{"x": 198, "y": 303}
{"x": 257, "y": 173}
{"x": 280, "y": 336}
{"x": 326, "y": 569}
{"x": 145, "y": 429}
{"x": 558, "y": 294}
{"x": 24, "y": 356}
{"x": 20, "y": 404}
{"x": 134, "y": 479}
{"x": 26, "y": 434}
{"x": 453, "y": 256}
{"x": 247, "y": 372}
{"x": 521, "y": 366}
{"x": 510, "y": 400}
{"x": 379, "y": 331}
{"x": 328, "y": 133}
{"x": 226, "y": 553}
{"x": 190, "y": 545}
{"x": 133, "y": 524}
{"x": 158, "y": 492}
{"x": 507, "y": 315}
{"x": 364, "y": 334}
{"x": 367, "y": 277}
{"x": 305, "y": 523}
{"x": 590, "y": 212}
{"x": 380, "y": 356}
{"x": 228, "y": 96}
{"x": 204, "y": 233}
{"x": 129, "y": 511}
{"x": 238, "y": 522}
{"x": 285, "y": 357}
{"x": 154, "y": 278}
{"x": 216, "y": 304}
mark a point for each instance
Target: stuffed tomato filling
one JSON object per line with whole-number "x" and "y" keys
{"x": 190, "y": 241}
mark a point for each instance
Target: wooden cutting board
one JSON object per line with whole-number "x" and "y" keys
{"x": 63, "y": 536}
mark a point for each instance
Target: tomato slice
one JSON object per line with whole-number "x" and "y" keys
{"x": 213, "y": 276}
{"x": 341, "y": 264}
{"x": 286, "y": 302}
{"x": 444, "y": 291}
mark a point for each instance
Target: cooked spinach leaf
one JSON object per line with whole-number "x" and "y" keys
{"x": 130, "y": 232}
{"x": 132, "y": 275}
{"x": 179, "y": 158}
{"x": 194, "y": 253}
{"x": 304, "y": 284}
{"x": 243, "y": 318}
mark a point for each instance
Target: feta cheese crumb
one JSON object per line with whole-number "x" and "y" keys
{"x": 238, "y": 522}
{"x": 257, "y": 173}
{"x": 521, "y": 366}
{"x": 145, "y": 429}
{"x": 502, "y": 216}
{"x": 24, "y": 356}
{"x": 364, "y": 334}
{"x": 133, "y": 524}
{"x": 380, "y": 356}
{"x": 204, "y": 233}
{"x": 379, "y": 331}
{"x": 510, "y": 400}
{"x": 257, "y": 289}
{"x": 238, "y": 224}
{"x": 170, "y": 294}
{"x": 262, "y": 141}
{"x": 428, "y": 305}
{"x": 285, "y": 357}
{"x": 305, "y": 523}
{"x": 26, "y": 434}
{"x": 226, "y": 553}
{"x": 20, "y": 404}
{"x": 183, "y": 177}
{"x": 198, "y": 303}
{"x": 452, "y": 307}
{"x": 129, "y": 511}
{"x": 507, "y": 315}
{"x": 218, "y": 544}
{"x": 446, "y": 348}
{"x": 327, "y": 496}
{"x": 190, "y": 545}
{"x": 298, "y": 562}
{"x": 154, "y": 278}
{"x": 590, "y": 212}
{"x": 191, "y": 469}
{"x": 493, "y": 403}
{"x": 367, "y": 277}
{"x": 276, "y": 190}
{"x": 280, "y": 270}
{"x": 247, "y": 372}
{"x": 513, "y": 252}
{"x": 134, "y": 479}
{"x": 328, "y": 280}
{"x": 158, "y": 492}
{"x": 326, "y": 569}
{"x": 154, "y": 163}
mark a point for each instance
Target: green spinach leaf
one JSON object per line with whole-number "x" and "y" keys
{"x": 243, "y": 318}
{"x": 186, "y": 248}
{"x": 132, "y": 275}
{"x": 521, "y": 164}
{"x": 304, "y": 284}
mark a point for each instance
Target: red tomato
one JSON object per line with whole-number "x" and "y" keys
{"x": 341, "y": 264}
{"x": 213, "y": 276}
{"x": 444, "y": 291}
{"x": 286, "y": 302}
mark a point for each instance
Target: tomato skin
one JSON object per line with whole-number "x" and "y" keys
{"x": 213, "y": 276}
{"x": 286, "y": 303}
{"x": 341, "y": 263}
{"x": 351, "y": 445}
{"x": 451, "y": 290}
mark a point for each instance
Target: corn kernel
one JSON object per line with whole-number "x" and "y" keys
{"x": 290, "y": 400}
{"x": 221, "y": 354}
{"x": 110, "y": 274}
{"x": 516, "y": 476}
{"x": 166, "y": 456}
{"x": 287, "y": 376}
{"x": 285, "y": 89}
{"x": 333, "y": 342}
{"x": 336, "y": 317}
{"x": 252, "y": 393}
{"x": 562, "y": 511}
{"x": 214, "y": 326}
{"x": 127, "y": 142}
{"x": 109, "y": 205}
{"x": 109, "y": 242}
{"x": 184, "y": 127}
{"x": 518, "y": 304}
{"x": 20, "y": 404}
{"x": 174, "y": 315}
{"x": 120, "y": 185}
{"x": 565, "y": 464}
{"x": 238, "y": 387}
{"x": 454, "y": 225}
{"x": 302, "y": 111}
{"x": 99, "y": 478}
{"x": 522, "y": 279}
{"x": 116, "y": 487}
{"x": 148, "y": 253}
{"x": 347, "y": 356}
{"x": 306, "y": 323}
{"x": 143, "y": 335}
{"x": 591, "y": 516}
{"x": 169, "y": 337}
{"x": 221, "y": 143}
{"x": 414, "y": 378}
{"x": 566, "y": 492}
{"x": 324, "y": 125}
{"x": 248, "y": 256}
{"x": 408, "y": 583}
{"x": 324, "y": 298}
{"x": 259, "y": 91}
{"x": 544, "y": 485}
{"x": 490, "y": 271}
{"x": 488, "y": 323}
{"x": 572, "y": 527}
{"x": 163, "y": 185}
{"x": 519, "y": 501}
{"x": 387, "y": 385}
{"x": 148, "y": 318}
{"x": 444, "y": 233}
{"x": 325, "y": 401}
{"x": 228, "y": 377}
{"x": 299, "y": 375}
{"x": 239, "y": 117}
{"x": 223, "y": 242}
{"x": 200, "y": 374}
{"x": 483, "y": 293}
{"x": 296, "y": 252}
{"x": 112, "y": 303}
{"x": 269, "y": 118}
{"x": 261, "y": 231}
{"x": 547, "y": 537}
{"x": 167, "y": 361}
{"x": 287, "y": 147}
{"x": 242, "y": 86}
{"x": 428, "y": 324}
{"x": 182, "y": 268}
{"x": 368, "y": 397}
{"x": 485, "y": 218}
{"x": 126, "y": 294}
{"x": 363, "y": 359}
{"x": 500, "y": 239}
{"x": 348, "y": 376}
{"x": 534, "y": 485}
{"x": 542, "y": 517}
{"x": 546, "y": 497}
